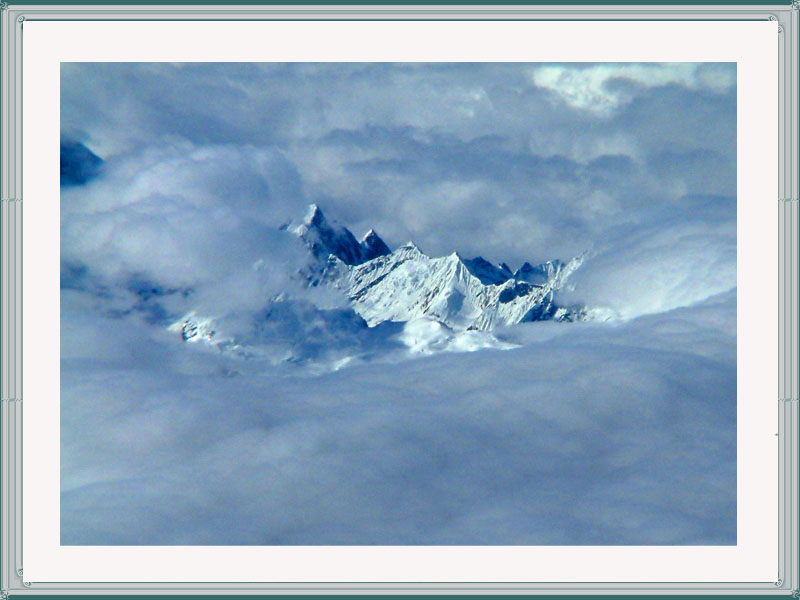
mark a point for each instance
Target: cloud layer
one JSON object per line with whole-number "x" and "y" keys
{"x": 477, "y": 158}
{"x": 594, "y": 436}
{"x": 619, "y": 432}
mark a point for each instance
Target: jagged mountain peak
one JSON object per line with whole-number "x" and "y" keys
{"x": 371, "y": 234}
{"x": 373, "y": 245}
{"x": 409, "y": 250}
{"x": 438, "y": 298}
{"x": 325, "y": 238}
{"x": 408, "y": 284}
{"x": 488, "y": 273}
{"x": 314, "y": 215}
{"x": 462, "y": 294}
{"x": 409, "y": 245}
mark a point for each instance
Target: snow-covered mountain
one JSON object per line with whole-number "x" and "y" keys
{"x": 449, "y": 299}
{"x": 408, "y": 284}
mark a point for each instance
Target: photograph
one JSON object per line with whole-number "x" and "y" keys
{"x": 398, "y": 304}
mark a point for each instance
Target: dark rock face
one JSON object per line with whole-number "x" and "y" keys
{"x": 324, "y": 238}
{"x": 373, "y": 246}
{"x": 488, "y": 273}
{"x": 78, "y": 164}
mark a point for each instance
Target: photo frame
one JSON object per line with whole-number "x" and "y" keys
{"x": 28, "y": 567}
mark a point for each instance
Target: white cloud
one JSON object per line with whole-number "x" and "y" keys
{"x": 592, "y": 87}
{"x": 556, "y": 442}
{"x": 657, "y": 269}
{"x": 183, "y": 215}
{"x": 370, "y": 142}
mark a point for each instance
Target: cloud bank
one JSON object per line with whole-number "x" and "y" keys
{"x": 618, "y": 432}
{"x": 592, "y": 437}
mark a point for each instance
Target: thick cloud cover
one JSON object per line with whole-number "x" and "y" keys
{"x": 594, "y": 436}
{"x": 513, "y": 161}
{"x": 618, "y": 432}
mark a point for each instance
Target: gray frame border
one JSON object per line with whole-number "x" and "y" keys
{"x": 12, "y": 18}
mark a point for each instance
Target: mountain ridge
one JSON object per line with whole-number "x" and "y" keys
{"x": 406, "y": 284}
{"x": 323, "y": 238}
{"x": 416, "y": 291}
